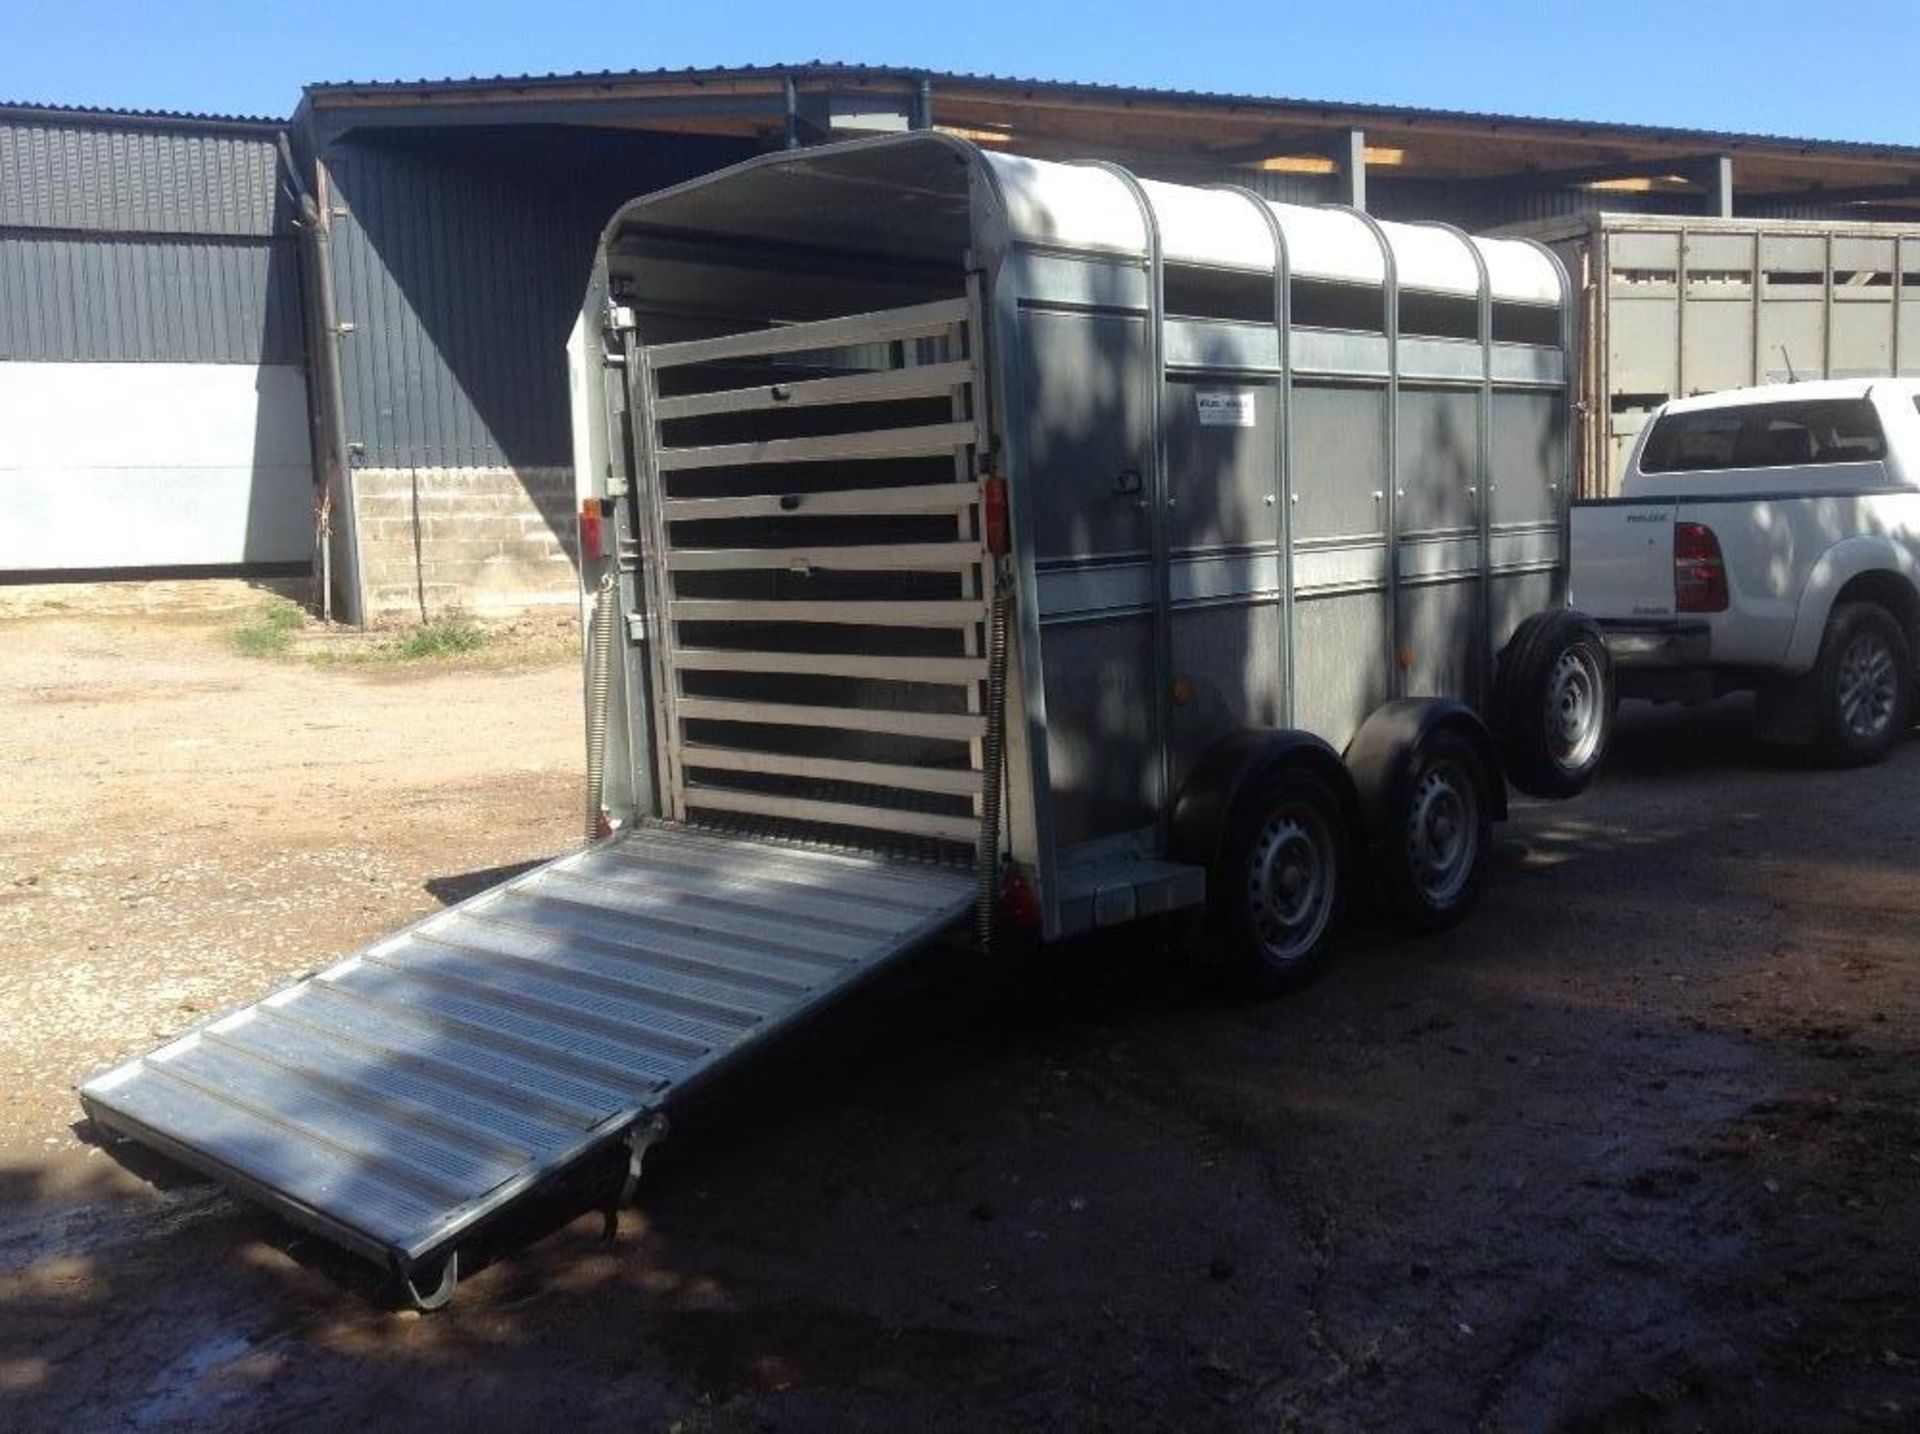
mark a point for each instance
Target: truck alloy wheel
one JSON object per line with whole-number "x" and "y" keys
{"x": 1864, "y": 684}
{"x": 1867, "y": 687}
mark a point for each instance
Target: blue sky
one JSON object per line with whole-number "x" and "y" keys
{"x": 1764, "y": 65}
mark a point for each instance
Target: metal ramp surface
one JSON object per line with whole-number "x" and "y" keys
{"x": 400, "y": 1096}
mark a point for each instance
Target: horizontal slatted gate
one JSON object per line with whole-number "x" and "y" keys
{"x": 818, "y": 556}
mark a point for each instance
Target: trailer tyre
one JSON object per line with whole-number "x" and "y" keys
{"x": 1281, "y": 878}
{"x": 1553, "y": 703}
{"x": 1863, "y": 685}
{"x": 1434, "y": 859}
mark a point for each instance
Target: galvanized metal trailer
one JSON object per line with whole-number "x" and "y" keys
{"x": 960, "y": 533}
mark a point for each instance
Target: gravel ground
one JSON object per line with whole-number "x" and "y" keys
{"x": 1637, "y": 1146}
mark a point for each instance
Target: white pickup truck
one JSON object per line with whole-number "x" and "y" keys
{"x": 1768, "y": 540}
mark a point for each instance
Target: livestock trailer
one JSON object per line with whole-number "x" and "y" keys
{"x": 1670, "y": 307}
{"x": 964, "y": 540}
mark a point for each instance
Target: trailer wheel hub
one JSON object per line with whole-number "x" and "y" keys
{"x": 1442, "y": 833}
{"x": 1573, "y": 707}
{"x": 1291, "y": 882}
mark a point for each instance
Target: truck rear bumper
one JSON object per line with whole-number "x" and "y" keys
{"x": 1657, "y": 642}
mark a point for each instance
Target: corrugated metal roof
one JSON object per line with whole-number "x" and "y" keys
{"x": 343, "y": 92}
{"x": 35, "y": 110}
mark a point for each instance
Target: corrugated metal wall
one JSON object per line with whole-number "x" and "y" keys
{"x": 109, "y": 298}
{"x": 460, "y": 260}
{"x": 151, "y": 347}
{"x": 158, "y": 245}
{"x": 81, "y": 175}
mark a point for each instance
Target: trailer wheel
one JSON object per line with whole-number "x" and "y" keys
{"x": 1553, "y": 703}
{"x": 1434, "y": 859}
{"x": 1282, "y": 873}
{"x": 1863, "y": 685}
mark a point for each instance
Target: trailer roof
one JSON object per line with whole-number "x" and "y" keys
{"x": 1088, "y": 207}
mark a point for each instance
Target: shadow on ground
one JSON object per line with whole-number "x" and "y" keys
{"x": 1633, "y": 1148}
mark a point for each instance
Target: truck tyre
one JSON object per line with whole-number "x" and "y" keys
{"x": 1553, "y": 703}
{"x": 1434, "y": 859}
{"x": 1280, "y": 879}
{"x": 1863, "y": 685}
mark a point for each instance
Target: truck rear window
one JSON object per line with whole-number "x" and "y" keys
{"x": 1765, "y": 435}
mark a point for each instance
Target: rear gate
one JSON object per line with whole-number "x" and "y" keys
{"x": 813, "y": 494}
{"x": 402, "y": 1095}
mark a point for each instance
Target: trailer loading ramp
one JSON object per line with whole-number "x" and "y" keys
{"x": 394, "y": 1100}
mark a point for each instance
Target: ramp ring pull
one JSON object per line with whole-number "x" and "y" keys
{"x": 641, "y": 1137}
{"x": 441, "y": 1294}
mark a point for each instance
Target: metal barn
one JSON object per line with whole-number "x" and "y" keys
{"x": 452, "y": 224}
{"x": 153, "y": 399}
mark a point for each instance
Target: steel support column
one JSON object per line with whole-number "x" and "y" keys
{"x": 1351, "y": 156}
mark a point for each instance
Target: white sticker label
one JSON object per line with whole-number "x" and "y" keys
{"x": 1225, "y": 407}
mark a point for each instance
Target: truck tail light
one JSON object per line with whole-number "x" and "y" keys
{"x": 1699, "y": 571}
{"x": 993, "y": 509}
{"x": 593, "y": 530}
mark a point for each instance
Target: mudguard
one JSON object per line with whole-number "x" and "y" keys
{"x": 1839, "y": 565}
{"x": 1200, "y": 812}
{"x": 1380, "y": 756}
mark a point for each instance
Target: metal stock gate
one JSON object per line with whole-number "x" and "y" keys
{"x": 814, "y": 499}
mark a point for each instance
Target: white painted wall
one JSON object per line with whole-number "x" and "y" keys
{"x": 106, "y": 465}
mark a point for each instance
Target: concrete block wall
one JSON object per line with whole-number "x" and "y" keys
{"x": 488, "y": 541}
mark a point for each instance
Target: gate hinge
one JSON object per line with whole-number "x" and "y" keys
{"x": 637, "y": 627}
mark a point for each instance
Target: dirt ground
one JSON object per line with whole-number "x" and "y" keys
{"x": 1637, "y": 1146}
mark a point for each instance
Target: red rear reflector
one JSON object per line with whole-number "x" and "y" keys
{"x": 1699, "y": 570}
{"x": 593, "y": 531}
{"x": 1018, "y": 907}
{"x": 993, "y": 509}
